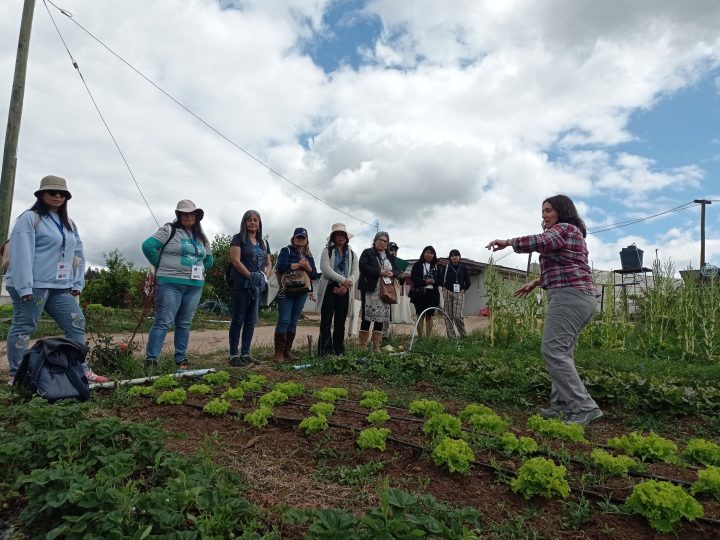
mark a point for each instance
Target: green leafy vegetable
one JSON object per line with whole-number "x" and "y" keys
{"x": 702, "y": 451}
{"x": 259, "y": 417}
{"x": 172, "y": 397}
{"x": 233, "y": 393}
{"x": 540, "y": 476}
{"x": 290, "y": 389}
{"x": 323, "y": 409}
{"x": 217, "y": 407}
{"x": 617, "y": 465}
{"x": 373, "y": 399}
{"x": 455, "y": 453}
{"x": 165, "y": 381}
{"x": 555, "y": 429}
{"x": 522, "y": 445}
{"x": 474, "y": 409}
{"x": 273, "y": 398}
{"x": 490, "y": 422}
{"x": 378, "y": 417}
{"x": 220, "y": 377}
{"x": 426, "y": 407}
{"x": 199, "y": 389}
{"x": 140, "y": 391}
{"x": 652, "y": 447}
{"x": 663, "y": 504}
{"x": 313, "y": 424}
{"x": 443, "y": 425}
{"x": 708, "y": 482}
{"x": 373, "y": 438}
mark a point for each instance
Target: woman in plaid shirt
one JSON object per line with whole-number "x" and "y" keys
{"x": 572, "y": 301}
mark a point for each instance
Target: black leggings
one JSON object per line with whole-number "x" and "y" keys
{"x": 365, "y": 325}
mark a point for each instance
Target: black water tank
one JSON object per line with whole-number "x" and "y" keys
{"x": 631, "y": 258}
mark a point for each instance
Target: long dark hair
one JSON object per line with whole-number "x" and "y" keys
{"x": 421, "y": 260}
{"x": 566, "y": 211}
{"x": 243, "y": 227}
{"x": 41, "y": 208}
{"x": 196, "y": 229}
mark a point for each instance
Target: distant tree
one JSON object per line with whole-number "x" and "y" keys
{"x": 116, "y": 285}
{"x": 215, "y": 276}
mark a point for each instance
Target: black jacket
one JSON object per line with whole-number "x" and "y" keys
{"x": 370, "y": 269}
{"x": 447, "y": 275}
{"x": 417, "y": 274}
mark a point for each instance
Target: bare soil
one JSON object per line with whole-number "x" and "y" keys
{"x": 285, "y": 468}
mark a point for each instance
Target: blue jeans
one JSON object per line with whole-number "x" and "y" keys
{"x": 289, "y": 311}
{"x": 244, "y": 315}
{"x": 59, "y": 304}
{"x": 173, "y": 304}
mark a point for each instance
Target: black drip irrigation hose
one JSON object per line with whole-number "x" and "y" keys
{"x": 488, "y": 466}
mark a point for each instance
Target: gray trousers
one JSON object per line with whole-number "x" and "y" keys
{"x": 568, "y": 312}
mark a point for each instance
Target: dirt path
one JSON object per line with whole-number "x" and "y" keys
{"x": 206, "y": 341}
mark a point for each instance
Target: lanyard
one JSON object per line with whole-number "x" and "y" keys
{"x": 62, "y": 232}
{"x": 456, "y": 270}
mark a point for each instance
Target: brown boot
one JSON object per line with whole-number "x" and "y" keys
{"x": 279, "y": 347}
{"x": 287, "y": 353}
{"x": 428, "y": 326}
{"x": 377, "y": 340}
{"x": 363, "y": 336}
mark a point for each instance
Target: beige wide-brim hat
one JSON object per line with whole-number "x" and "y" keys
{"x": 53, "y": 183}
{"x": 186, "y": 206}
{"x": 339, "y": 227}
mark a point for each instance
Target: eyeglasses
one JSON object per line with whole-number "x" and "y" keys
{"x": 187, "y": 215}
{"x": 381, "y": 240}
{"x": 56, "y": 193}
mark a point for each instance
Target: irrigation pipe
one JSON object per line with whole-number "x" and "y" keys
{"x": 180, "y": 374}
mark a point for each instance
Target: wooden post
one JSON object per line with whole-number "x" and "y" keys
{"x": 9, "y": 163}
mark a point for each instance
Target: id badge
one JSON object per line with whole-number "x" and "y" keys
{"x": 197, "y": 271}
{"x": 456, "y": 287}
{"x": 386, "y": 280}
{"x": 63, "y": 271}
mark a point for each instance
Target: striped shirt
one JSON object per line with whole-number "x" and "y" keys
{"x": 563, "y": 257}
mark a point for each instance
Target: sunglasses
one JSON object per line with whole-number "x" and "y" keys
{"x": 56, "y": 193}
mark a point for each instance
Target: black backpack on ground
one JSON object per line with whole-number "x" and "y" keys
{"x": 53, "y": 369}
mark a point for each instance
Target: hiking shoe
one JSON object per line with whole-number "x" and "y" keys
{"x": 183, "y": 365}
{"x": 150, "y": 363}
{"x": 584, "y": 417}
{"x": 235, "y": 360}
{"x": 93, "y": 377}
{"x": 246, "y": 360}
{"x": 551, "y": 412}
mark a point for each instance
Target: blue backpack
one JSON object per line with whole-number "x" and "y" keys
{"x": 53, "y": 368}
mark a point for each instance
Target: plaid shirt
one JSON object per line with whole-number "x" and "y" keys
{"x": 563, "y": 257}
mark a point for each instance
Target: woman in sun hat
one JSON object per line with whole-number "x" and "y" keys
{"x": 295, "y": 257}
{"x": 46, "y": 272}
{"x": 572, "y": 300}
{"x": 339, "y": 269}
{"x": 180, "y": 252}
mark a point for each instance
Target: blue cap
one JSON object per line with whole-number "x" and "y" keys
{"x": 300, "y": 231}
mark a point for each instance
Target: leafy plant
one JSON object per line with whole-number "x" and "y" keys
{"x": 199, "y": 389}
{"x": 663, "y": 504}
{"x": 521, "y": 445}
{"x": 217, "y": 407}
{"x": 474, "y": 409}
{"x": 708, "y": 482}
{"x": 378, "y": 417}
{"x": 652, "y": 447}
{"x": 555, "y": 429}
{"x": 373, "y": 438}
{"x": 140, "y": 391}
{"x": 455, "y": 453}
{"x": 373, "y": 399}
{"x": 219, "y": 377}
{"x": 540, "y": 476}
{"x": 172, "y": 397}
{"x": 490, "y": 422}
{"x": 165, "y": 381}
{"x": 443, "y": 425}
{"x": 322, "y": 409}
{"x": 233, "y": 393}
{"x": 330, "y": 394}
{"x": 314, "y": 424}
{"x": 259, "y": 417}
{"x": 290, "y": 389}
{"x": 273, "y": 398}
{"x": 615, "y": 465}
{"x": 253, "y": 383}
{"x": 426, "y": 407}
{"x": 702, "y": 451}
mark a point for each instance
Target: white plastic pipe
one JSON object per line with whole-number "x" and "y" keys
{"x": 186, "y": 373}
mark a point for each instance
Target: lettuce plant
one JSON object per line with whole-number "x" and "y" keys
{"x": 443, "y": 425}
{"x": 378, "y": 417}
{"x": 455, "y": 453}
{"x": 426, "y": 407}
{"x": 313, "y": 424}
{"x": 540, "y": 476}
{"x": 555, "y": 429}
{"x": 290, "y": 388}
{"x": 663, "y": 504}
{"x": 522, "y": 445}
{"x": 233, "y": 393}
{"x": 220, "y": 377}
{"x": 217, "y": 407}
{"x": 323, "y": 409}
{"x": 473, "y": 409}
{"x": 615, "y": 465}
{"x": 373, "y": 438}
{"x": 490, "y": 422}
{"x": 172, "y": 397}
{"x": 165, "y": 381}
{"x": 708, "y": 482}
{"x": 273, "y": 398}
{"x": 199, "y": 389}
{"x": 373, "y": 399}
{"x": 140, "y": 391}
{"x": 259, "y": 417}
{"x": 702, "y": 451}
{"x": 652, "y": 447}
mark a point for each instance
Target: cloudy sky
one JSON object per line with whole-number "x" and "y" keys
{"x": 446, "y": 122}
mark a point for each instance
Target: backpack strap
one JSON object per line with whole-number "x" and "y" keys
{"x": 173, "y": 229}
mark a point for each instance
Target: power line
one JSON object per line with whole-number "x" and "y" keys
{"x": 204, "y": 122}
{"x": 604, "y": 228}
{"x": 97, "y": 108}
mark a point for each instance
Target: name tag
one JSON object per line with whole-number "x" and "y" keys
{"x": 386, "y": 280}
{"x": 63, "y": 270}
{"x": 456, "y": 287}
{"x": 197, "y": 271}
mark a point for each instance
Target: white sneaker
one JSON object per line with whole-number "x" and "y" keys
{"x": 93, "y": 377}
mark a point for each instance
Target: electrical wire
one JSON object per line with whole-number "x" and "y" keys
{"x": 97, "y": 108}
{"x": 612, "y": 226}
{"x": 203, "y": 121}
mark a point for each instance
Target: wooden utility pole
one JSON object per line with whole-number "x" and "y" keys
{"x": 9, "y": 163}
{"x": 702, "y": 203}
